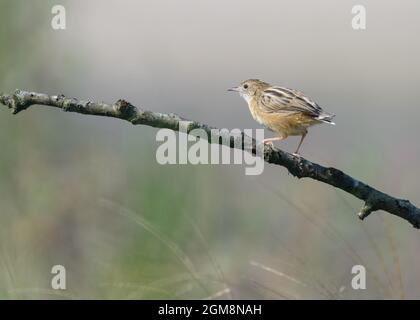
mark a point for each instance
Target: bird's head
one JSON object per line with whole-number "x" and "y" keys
{"x": 248, "y": 89}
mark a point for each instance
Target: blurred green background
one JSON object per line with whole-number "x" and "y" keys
{"x": 86, "y": 192}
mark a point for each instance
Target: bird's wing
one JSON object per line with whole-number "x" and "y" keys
{"x": 284, "y": 100}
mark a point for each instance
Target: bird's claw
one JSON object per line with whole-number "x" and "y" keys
{"x": 265, "y": 142}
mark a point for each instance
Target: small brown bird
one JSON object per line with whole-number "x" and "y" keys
{"x": 287, "y": 112}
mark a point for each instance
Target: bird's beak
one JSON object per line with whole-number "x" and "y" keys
{"x": 234, "y": 89}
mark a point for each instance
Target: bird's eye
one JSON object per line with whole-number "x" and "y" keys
{"x": 245, "y": 86}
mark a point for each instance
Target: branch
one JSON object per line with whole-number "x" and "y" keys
{"x": 299, "y": 167}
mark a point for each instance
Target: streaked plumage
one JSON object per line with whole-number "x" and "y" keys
{"x": 285, "y": 111}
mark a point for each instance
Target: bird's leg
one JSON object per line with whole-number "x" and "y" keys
{"x": 270, "y": 140}
{"x": 296, "y": 153}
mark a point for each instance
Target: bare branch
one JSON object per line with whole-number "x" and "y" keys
{"x": 299, "y": 167}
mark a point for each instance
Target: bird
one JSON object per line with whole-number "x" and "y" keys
{"x": 287, "y": 112}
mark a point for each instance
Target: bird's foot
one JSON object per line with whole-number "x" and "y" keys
{"x": 267, "y": 141}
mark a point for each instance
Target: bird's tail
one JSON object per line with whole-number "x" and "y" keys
{"x": 326, "y": 117}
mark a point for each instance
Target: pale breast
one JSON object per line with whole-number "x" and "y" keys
{"x": 252, "y": 105}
